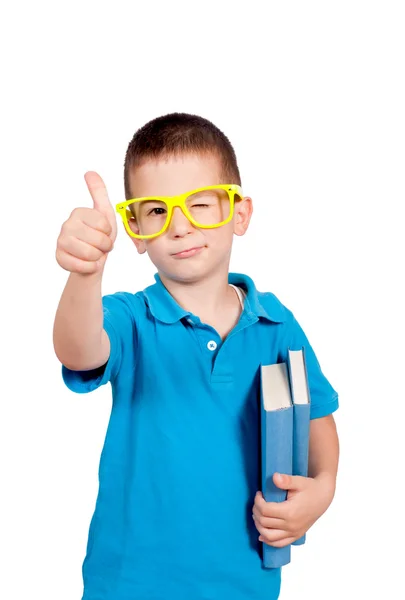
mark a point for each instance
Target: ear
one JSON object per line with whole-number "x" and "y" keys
{"x": 242, "y": 216}
{"x": 140, "y": 244}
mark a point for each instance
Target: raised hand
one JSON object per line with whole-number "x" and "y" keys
{"x": 89, "y": 234}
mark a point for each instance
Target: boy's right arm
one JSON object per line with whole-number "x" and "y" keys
{"x": 86, "y": 238}
{"x": 79, "y": 339}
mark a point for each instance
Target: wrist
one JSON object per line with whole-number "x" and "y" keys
{"x": 88, "y": 279}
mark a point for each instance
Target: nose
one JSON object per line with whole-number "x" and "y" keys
{"x": 179, "y": 224}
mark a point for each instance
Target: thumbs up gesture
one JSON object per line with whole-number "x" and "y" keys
{"x": 89, "y": 234}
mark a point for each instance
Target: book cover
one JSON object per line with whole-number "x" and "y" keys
{"x": 276, "y": 445}
{"x": 301, "y": 415}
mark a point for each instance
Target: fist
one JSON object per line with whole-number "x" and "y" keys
{"x": 89, "y": 234}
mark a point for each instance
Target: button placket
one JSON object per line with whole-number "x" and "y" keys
{"x": 205, "y": 336}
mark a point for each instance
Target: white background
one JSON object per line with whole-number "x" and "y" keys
{"x": 311, "y": 94}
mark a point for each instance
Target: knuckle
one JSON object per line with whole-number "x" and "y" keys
{"x": 65, "y": 228}
{"x": 70, "y": 226}
{"x": 290, "y": 514}
{"x": 58, "y": 256}
{"x": 102, "y": 224}
{"x": 84, "y": 267}
{"x": 104, "y": 242}
{"x": 90, "y": 254}
{"x": 64, "y": 261}
{"x": 61, "y": 243}
{"x": 81, "y": 268}
{"x": 76, "y": 213}
{"x": 268, "y": 538}
{"x": 91, "y": 267}
{"x": 106, "y": 226}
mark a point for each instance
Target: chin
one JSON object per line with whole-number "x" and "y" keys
{"x": 184, "y": 271}
{"x": 189, "y": 274}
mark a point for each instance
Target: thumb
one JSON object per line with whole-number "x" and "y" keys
{"x": 288, "y": 482}
{"x": 101, "y": 201}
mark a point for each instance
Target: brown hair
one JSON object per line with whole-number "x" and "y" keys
{"x": 179, "y": 133}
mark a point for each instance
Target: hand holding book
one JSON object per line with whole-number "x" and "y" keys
{"x": 281, "y": 523}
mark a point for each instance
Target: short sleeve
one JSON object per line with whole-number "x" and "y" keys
{"x": 119, "y": 324}
{"x": 324, "y": 398}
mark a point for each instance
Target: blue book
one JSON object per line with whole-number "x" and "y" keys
{"x": 301, "y": 406}
{"x": 276, "y": 446}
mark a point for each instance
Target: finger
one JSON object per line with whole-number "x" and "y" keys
{"x": 280, "y": 543}
{"x": 96, "y": 220}
{"x": 271, "y": 536}
{"x": 90, "y": 217}
{"x": 289, "y": 482}
{"x": 75, "y": 265}
{"x": 268, "y": 522}
{"x": 277, "y": 510}
{"x": 80, "y": 249}
{"x": 94, "y": 237}
{"x": 101, "y": 201}
{"x": 98, "y": 192}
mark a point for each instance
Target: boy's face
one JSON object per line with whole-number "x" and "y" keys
{"x": 184, "y": 252}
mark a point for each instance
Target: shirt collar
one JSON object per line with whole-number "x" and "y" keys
{"x": 165, "y": 308}
{"x": 161, "y": 303}
{"x": 254, "y": 305}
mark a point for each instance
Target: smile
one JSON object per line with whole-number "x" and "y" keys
{"x": 189, "y": 252}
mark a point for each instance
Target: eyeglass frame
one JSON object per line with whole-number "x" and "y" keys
{"x": 179, "y": 201}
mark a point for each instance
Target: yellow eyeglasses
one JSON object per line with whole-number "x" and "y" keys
{"x": 206, "y": 208}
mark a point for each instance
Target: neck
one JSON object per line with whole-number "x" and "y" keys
{"x": 203, "y": 297}
{"x": 211, "y": 299}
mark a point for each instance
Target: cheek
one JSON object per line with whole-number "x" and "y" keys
{"x": 221, "y": 237}
{"x": 155, "y": 247}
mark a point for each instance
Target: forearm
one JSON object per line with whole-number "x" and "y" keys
{"x": 324, "y": 450}
{"x": 78, "y": 337}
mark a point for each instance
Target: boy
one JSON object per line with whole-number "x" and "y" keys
{"x": 178, "y": 514}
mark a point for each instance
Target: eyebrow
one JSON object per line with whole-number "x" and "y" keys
{"x": 150, "y": 200}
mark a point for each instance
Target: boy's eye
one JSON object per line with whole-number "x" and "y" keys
{"x": 157, "y": 211}
{"x": 200, "y": 205}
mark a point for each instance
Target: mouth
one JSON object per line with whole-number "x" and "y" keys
{"x": 189, "y": 252}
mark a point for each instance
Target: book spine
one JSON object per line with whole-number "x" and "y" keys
{"x": 277, "y": 455}
{"x": 301, "y": 447}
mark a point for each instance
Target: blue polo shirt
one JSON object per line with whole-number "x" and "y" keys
{"x": 180, "y": 464}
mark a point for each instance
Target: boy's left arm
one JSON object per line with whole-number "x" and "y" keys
{"x": 281, "y": 523}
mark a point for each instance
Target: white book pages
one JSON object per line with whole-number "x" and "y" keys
{"x": 299, "y": 382}
{"x": 275, "y": 387}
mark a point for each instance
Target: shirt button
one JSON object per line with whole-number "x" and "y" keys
{"x": 212, "y": 345}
